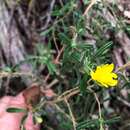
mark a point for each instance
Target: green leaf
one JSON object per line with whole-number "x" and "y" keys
{"x": 66, "y": 54}
{"x": 84, "y": 46}
{"x": 83, "y": 84}
{"x": 24, "y": 119}
{"x": 66, "y": 8}
{"x": 7, "y": 69}
{"x": 102, "y": 50}
{"x": 51, "y": 67}
{"x": 64, "y": 38}
{"x": 96, "y": 123}
{"x": 76, "y": 56}
{"x": 15, "y": 110}
{"x": 23, "y": 122}
{"x": 86, "y": 1}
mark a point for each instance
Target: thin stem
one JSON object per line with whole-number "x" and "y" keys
{"x": 89, "y": 7}
{"x": 71, "y": 114}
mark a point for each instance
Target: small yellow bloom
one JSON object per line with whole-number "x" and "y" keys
{"x": 38, "y": 119}
{"x": 104, "y": 75}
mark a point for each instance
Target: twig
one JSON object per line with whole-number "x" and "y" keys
{"x": 56, "y": 61}
{"x": 55, "y": 81}
{"x": 55, "y": 42}
{"x": 49, "y": 15}
{"x": 68, "y": 92}
{"x": 58, "y": 108}
{"x": 60, "y": 19}
{"x": 98, "y": 102}
{"x": 89, "y": 7}
{"x": 123, "y": 101}
{"x": 99, "y": 109}
{"x": 15, "y": 74}
{"x": 47, "y": 77}
{"x": 123, "y": 67}
{"x": 71, "y": 114}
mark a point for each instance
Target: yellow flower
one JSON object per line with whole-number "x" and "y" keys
{"x": 38, "y": 119}
{"x": 104, "y": 76}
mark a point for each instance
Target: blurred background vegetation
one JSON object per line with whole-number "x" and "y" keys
{"x": 60, "y": 41}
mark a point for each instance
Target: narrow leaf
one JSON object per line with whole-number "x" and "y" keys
{"x": 15, "y": 110}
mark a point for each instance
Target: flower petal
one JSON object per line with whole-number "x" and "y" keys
{"x": 104, "y": 85}
{"x": 104, "y": 75}
{"x": 114, "y": 76}
{"x": 113, "y": 83}
{"x": 108, "y": 68}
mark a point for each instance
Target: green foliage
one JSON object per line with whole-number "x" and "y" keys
{"x": 7, "y": 69}
{"x": 83, "y": 83}
{"x": 95, "y": 123}
{"x": 15, "y": 110}
{"x": 43, "y": 57}
{"x": 23, "y": 122}
{"x": 86, "y": 45}
{"x": 104, "y": 49}
{"x": 86, "y": 1}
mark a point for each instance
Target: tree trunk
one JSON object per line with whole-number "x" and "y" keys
{"x": 11, "y": 44}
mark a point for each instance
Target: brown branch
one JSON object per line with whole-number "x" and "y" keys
{"x": 56, "y": 61}
{"x": 89, "y": 7}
